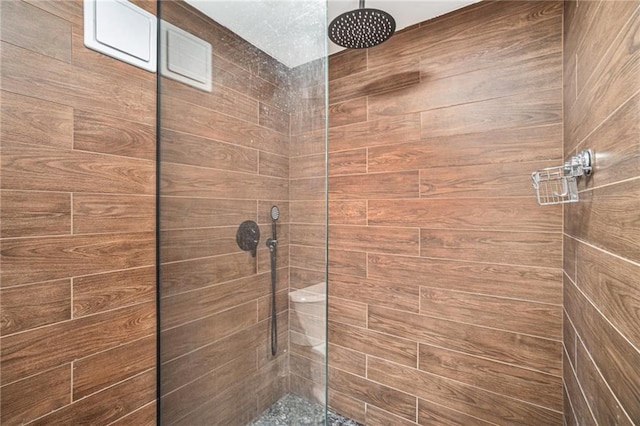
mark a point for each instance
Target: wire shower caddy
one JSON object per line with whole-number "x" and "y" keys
{"x": 558, "y": 185}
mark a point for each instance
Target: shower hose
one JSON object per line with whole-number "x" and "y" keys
{"x": 274, "y": 320}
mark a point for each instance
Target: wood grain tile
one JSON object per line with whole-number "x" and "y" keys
{"x": 273, "y": 165}
{"x": 347, "y": 406}
{"x": 518, "y": 316}
{"x": 274, "y": 118}
{"x": 516, "y": 349}
{"x": 604, "y": 406}
{"x": 233, "y": 405}
{"x": 614, "y": 80}
{"x": 569, "y": 259}
{"x": 497, "y": 146}
{"x": 67, "y": 10}
{"x": 52, "y": 389}
{"x": 611, "y": 285}
{"x": 36, "y": 350}
{"x": 103, "y": 292}
{"x": 221, "y": 99}
{"x": 184, "y": 307}
{"x": 398, "y": 76}
{"x": 375, "y": 133}
{"x": 602, "y": 218}
{"x": 96, "y": 214}
{"x": 187, "y": 212}
{"x": 615, "y": 144}
{"x": 189, "y": 275}
{"x": 32, "y": 306}
{"x": 100, "y": 65}
{"x": 348, "y": 212}
{"x": 580, "y": 409}
{"x": 28, "y": 213}
{"x": 515, "y": 76}
{"x": 517, "y": 282}
{"x": 264, "y": 305}
{"x": 459, "y": 396}
{"x": 515, "y": 248}
{"x": 491, "y": 180}
{"x": 394, "y": 401}
{"x": 375, "y": 239}
{"x": 525, "y": 110}
{"x": 375, "y": 185}
{"x": 348, "y": 112}
{"x": 390, "y": 293}
{"x": 185, "y": 369}
{"x": 373, "y": 343}
{"x": 347, "y": 360}
{"x": 600, "y": 36}
{"x": 107, "y": 405}
{"x": 611, "y": 352}
{"x": 185, "y": 244}
{"x": 305, "y": 211}
{"x": 569, "y": 337}
{"x": 29, "y": 167}
{"x": 184, "y": 117}
{"x": 312, "y": 189}
{"x": 104, "y": 369}
{"x": 181, "y": 402}
{"x": 50, "y": 258}
{"x": 131, "y": 99}
{"x": 376, "y": 416}
{"x": 347, "y": 62}
{"x": 470, "y": 23}
{"x": 307, "y": 166}
{"x": 479, "y": 214}
{"x": 345, "y": 311}
{"x": 201, "y": 332}
{"x": 178, "y": 147}
{"x": 313, "y": 258}
{"x": 437, "y": 415}
{"x": 308, "y": 143}
{"x": 540, "y": 33}
{"x": 348, "y": 162}
{"x": 348, "y": 262}
{"x": 189, "y": 181}
{"x": 145, "y": 416}
{"x": 108, "y": 135}
{"x": 31, "y": 28}
{"x": 519, "y": 383}
{"x": 34, "y": 121}
{"x": 307, "y": 235}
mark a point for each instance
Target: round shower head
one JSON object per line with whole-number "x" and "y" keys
{"x": 275, "y": 213}
{"x": 361, "y": 28}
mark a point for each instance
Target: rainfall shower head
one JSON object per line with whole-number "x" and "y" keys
{"x": 361, "y": 28}
{"x": 275, "y": 213}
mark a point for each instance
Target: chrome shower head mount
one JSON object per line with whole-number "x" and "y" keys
{"x": 361, "y": 28}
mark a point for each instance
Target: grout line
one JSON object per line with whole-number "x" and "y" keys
{"x": 455, "y": 381}
{"x": 71, "y": 382}
{"x": 606, "y": 318}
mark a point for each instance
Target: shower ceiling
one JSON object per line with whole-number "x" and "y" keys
{"x": 282, "y": 28}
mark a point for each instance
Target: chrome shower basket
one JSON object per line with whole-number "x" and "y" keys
{"x": 558, "y": 185}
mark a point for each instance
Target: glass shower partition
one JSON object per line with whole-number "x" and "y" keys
{"x": 241, "y": 132}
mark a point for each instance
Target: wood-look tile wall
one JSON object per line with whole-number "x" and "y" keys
{"x": 224, "y": 159}
{"x": 77, "y": 201}
{"x": 602, "y": 232}
{"x": 445, "y": 276}
{"x": 308, "y": 231}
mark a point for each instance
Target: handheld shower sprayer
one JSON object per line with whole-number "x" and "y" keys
{"x": 272, "y": 243}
